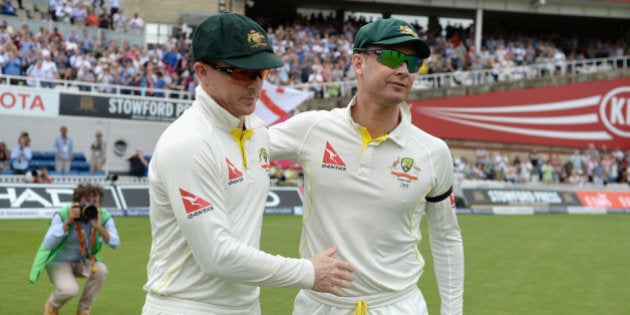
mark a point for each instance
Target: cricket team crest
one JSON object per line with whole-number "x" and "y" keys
{"x": 255, "y": 39}
{"x": 263, "y": 159}
{"x": 405, "y": 169}
{"x": 405, "y": 29}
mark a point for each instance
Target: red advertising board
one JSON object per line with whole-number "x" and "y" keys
{"x": 605, "y": 199}
{"x": 571, "y": 115}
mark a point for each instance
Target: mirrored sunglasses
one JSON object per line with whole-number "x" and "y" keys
{"x": 393, "y": 58}
{"x": 240, "y": 75}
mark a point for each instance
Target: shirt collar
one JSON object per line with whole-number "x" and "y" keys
{"x": 221, "y": 117}
{"x": 400, "y": 134}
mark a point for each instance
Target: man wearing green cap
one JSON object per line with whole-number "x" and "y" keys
{"x": 208, "y": 185}
{"x": 370, "y": 176}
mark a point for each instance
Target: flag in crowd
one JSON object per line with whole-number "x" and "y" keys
{"x": 275, "y": 102}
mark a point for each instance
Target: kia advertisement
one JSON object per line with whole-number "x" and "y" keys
{"x": 572, "y": 115}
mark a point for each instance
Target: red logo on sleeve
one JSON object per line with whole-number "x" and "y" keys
{"x": 193, "y": 203}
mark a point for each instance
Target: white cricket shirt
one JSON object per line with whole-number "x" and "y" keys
{"x": 206, "y": 208}
{"x": 369, "y": 198}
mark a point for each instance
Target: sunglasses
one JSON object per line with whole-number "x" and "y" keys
{"x": 393, "y": 59}
{"x": 240, "y": 75}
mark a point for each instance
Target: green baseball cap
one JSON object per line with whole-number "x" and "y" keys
{"x": 390, "y": 32}
{"x": 234, "y": 39}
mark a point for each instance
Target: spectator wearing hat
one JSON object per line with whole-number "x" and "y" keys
{"x": 372, "y": 176}
{"x": 202, "y": 164}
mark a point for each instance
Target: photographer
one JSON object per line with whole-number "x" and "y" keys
{"x": 71, "y": 249}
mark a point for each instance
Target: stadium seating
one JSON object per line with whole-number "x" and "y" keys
{"x": 47, "y": 159}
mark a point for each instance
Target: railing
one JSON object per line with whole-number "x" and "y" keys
{"x": 346, "y": 88}
{"x": 487, "y": 76}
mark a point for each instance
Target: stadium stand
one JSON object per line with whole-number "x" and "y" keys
{"x": 316, "y": 51}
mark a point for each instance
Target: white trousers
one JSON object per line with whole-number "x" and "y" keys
{"x": 408, "y": 301}
{"x": 161, "y": 305}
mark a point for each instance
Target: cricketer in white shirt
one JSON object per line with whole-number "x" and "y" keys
{"x": 369, "y": 196}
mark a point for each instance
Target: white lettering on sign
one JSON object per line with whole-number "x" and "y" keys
{"x": 524, "y": 197}
{"x": 614, "y": 111}
{"x": 140, "y": 107}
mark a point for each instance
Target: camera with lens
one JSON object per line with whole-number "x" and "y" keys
{"x": 89, "y": 211}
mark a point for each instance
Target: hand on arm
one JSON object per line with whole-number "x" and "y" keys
{"x": 331, "y": 274}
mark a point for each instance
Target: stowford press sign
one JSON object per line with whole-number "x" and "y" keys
{"x": 136, "y": 108}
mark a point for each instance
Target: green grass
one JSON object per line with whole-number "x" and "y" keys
{"x": 540, "y": 264}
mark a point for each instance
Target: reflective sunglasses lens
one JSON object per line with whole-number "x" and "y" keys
{"x": 414, "y": 65}
{"x": 246, "y": 76}
{"x": 391, "y": 58}
{"x": 394, "y": 59}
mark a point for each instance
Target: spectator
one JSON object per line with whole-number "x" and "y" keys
{"x": 63, "y": 13}
{"x": 106, "y": 79}
{"x": 85, "y": 75}
{"x": 64, "y": 151}
{"x": 137, "y": 164}
{"x": 5, "y": 36}
{"x": 159, "y": 84}
{"x": 114, "y": 7}
{"x": 21, "y": 155}
{"x": 91, "y": 19}
{"x": 35, "y": 73}
{"x": 41, "y": 176}
{"x": 136, "y": 23}
{"x": 52, "y": 8}
{"x": 99, "y": 153}
{"x": 119, "y": 20}
{"x": 5, "y": 156}
{"x": 13, "y": 66}
{"x": 79, "y": 14}
{"x": 176, "y": 85}
{"x": 8, "y": 9}
{"x": 104, "y": 21}
{"x": 49, "y": 69}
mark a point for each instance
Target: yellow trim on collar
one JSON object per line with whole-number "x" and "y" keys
{"x": 367, "y": 138}
{"x": 240, "y": 136}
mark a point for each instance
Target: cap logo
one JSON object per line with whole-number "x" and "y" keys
{"x": 256, "y": 39}
{"x": 405, "y": 29}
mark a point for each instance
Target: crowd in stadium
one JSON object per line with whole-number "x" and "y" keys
{"x": 592, "y": 165}
{"x": 315, "y": 50}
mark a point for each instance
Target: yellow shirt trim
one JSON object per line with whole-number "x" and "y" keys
{"x": 367, "y": 138}
{"x": 240, "y": 136}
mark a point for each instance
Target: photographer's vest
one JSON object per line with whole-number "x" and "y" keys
{"x": 45, "y": 256}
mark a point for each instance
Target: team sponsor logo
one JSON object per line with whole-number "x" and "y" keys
{"x": 234, "y": 174}
{"x": 614, "y": 111}
{"x": 331, "y": 159}
{"x": 194, "y": 205}
{"x": 263, "y": 159}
